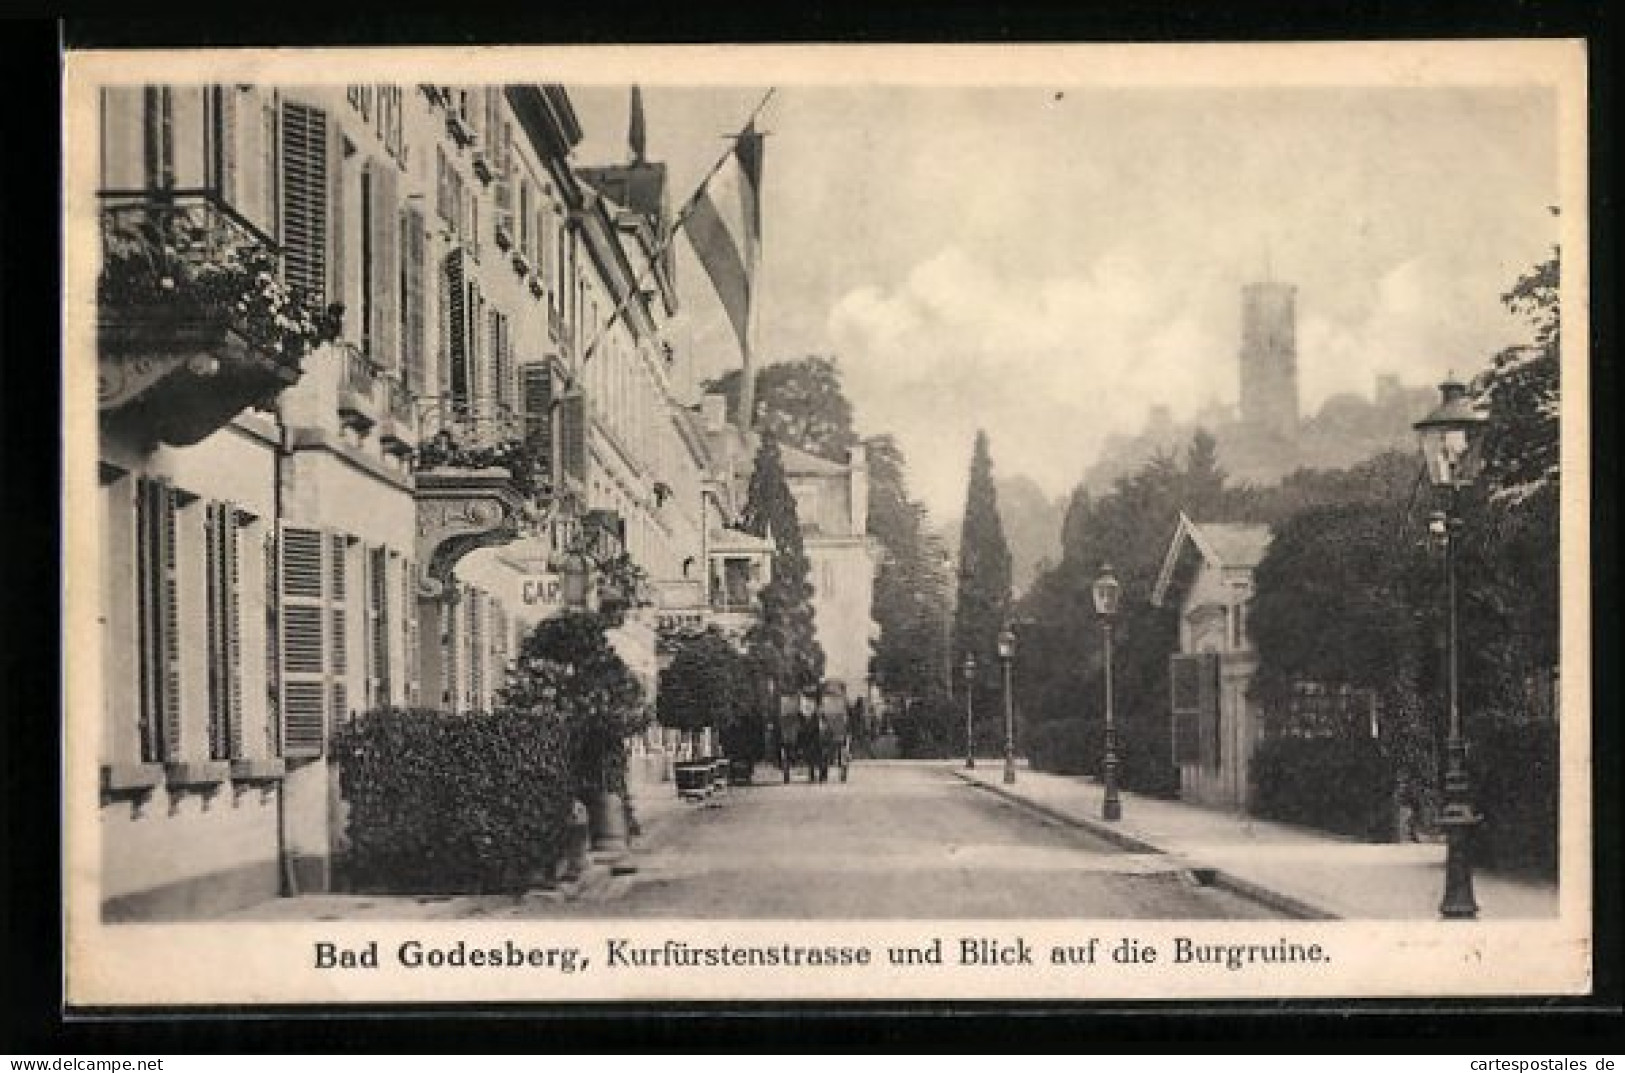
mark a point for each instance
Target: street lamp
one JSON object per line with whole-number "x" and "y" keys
{"x": 1106, "y": 593}
{"x": 970, "y": 712}
{"x": 1007, "y": 652}
{"x": 1452, "y": 436}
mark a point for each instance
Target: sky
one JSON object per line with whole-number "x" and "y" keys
{"x": 1046, "y": 264}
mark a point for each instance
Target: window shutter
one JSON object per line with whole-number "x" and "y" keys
{"x": 378, "y": 627}
{"x": 1209, "y": 704}
{"x": 159, "y": 621}
{"x": 536, "y": 403}
{"x": 412, "y": 242}
{"x": 386, "y": 228}
{"x": 305, "y": 198}
{"x": 455, "y": 318}
{"x": 273, "y": 650}
{"x": 304, "y": 657}
{"x": 225, "y": 98}
{"x": 338, "y": 595}
{"x": 223, "y": 606}
{"x": 573, "y": 435}
{"x": 475, "y": 607}
{"x": 409, "y": 629}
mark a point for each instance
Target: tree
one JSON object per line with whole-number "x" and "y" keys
{"x": 983, "y": 603}
{"x": 783, "y": 644}
{"x": 568, "y": 663}
{"x": 707, "y": 684}
{"x": 800, "y": 402}
{"x": 1522, "y": 390}
{"x": 911, "y": 586}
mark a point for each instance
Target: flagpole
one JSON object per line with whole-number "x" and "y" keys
{"x": 683, "y": 214}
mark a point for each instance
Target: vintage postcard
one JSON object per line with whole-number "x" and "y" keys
{"x": 827, "y": 523}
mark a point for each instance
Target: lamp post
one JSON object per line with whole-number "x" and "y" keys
{"x": 1007, "y": 653}
{"x": 1451, "y": 438}
{"x": 1106, "y": 594}
{"x": 970, "y": 712}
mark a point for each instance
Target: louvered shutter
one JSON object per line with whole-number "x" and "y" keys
{"x": 273, "y": 650}
{"x": 411, "y": 298}
{"x": 409, "y": 631}
{"x": 475, "y": 607}
{"x": 378, "y": 627}
{"x": 306, "y": 222}
{"x": 385, "y": 331}
{"x": 454, "y": 313}
{"x": 573, "y": 435}
{"x": 225, "y": 98}
{"x": 338, "y": 596}
{"x": 159, "y": 621}
{"x": 536, "y": 403}
{"x": 305, "y": 643}
{"x": 222, "y": 609}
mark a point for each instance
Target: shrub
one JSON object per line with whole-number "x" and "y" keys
{"x": 568, "y": 666}
{"x": 1345, "y": 785}
{"x": 454, "y": 803}
{"x": 1515, "y": 786}
{"x": 930, "y": 729}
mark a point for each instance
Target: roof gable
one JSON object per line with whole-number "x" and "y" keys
{"x": 1233, "y": 545}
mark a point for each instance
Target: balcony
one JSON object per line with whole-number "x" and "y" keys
{"x": 478, "y": 483}
{"x": 399, "y": 430}
{"x": 359, "y": 386}
{"x": 193, "y": 324}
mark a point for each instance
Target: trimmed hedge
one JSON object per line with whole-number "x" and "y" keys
{"x": 1077, "y": 747}
{"x": 1344, "y": 785}
{"x": 454, "y": 803}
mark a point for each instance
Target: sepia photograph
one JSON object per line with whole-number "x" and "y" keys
{"x": 867, "y": 522}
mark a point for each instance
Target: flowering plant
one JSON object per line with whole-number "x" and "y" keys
{"x": 171, "y": 261}
{"x": 526, "y": 469}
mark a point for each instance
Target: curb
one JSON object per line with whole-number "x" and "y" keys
{"x": 1201, "y": 874}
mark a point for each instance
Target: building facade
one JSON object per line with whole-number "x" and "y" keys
{"x": 355, "y": 345}
{"x": 1207, "y": 576}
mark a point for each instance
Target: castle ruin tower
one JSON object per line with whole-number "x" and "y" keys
{"x": 1269, "y": 358}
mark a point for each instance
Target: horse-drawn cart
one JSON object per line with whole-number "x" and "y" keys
{"x": 815, "y": 732}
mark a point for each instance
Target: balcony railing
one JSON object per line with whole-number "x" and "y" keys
{"x": 459, "y": 434}
{"x": 194, "y": 323}
{"x": 359, "y": 378}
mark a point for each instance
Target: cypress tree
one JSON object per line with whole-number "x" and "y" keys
{"x": 783, "y": 645}
{"x": 984, "y": 595}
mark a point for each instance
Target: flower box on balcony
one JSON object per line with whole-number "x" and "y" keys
{"x": 538, "y": 291}
{"x": 193, "y": 324}
{"x": 482, "y": 168}
{"x": 503, "y": 238}
{"x": 521, "y": 263}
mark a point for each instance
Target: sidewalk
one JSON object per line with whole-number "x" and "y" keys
{"x": 1297, "y": 870}
{"x": 655, "y": 804}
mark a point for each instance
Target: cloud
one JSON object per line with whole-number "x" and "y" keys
{"x": 1047, "y": 365}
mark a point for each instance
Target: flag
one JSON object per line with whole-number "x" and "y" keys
{"x": 635, "y": 135}
{"x": 725, "y": 228}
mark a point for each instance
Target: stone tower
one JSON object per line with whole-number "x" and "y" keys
{"x": 1269, "y": 358}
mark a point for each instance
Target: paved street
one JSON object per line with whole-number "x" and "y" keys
{"x": 897, "y": 841}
